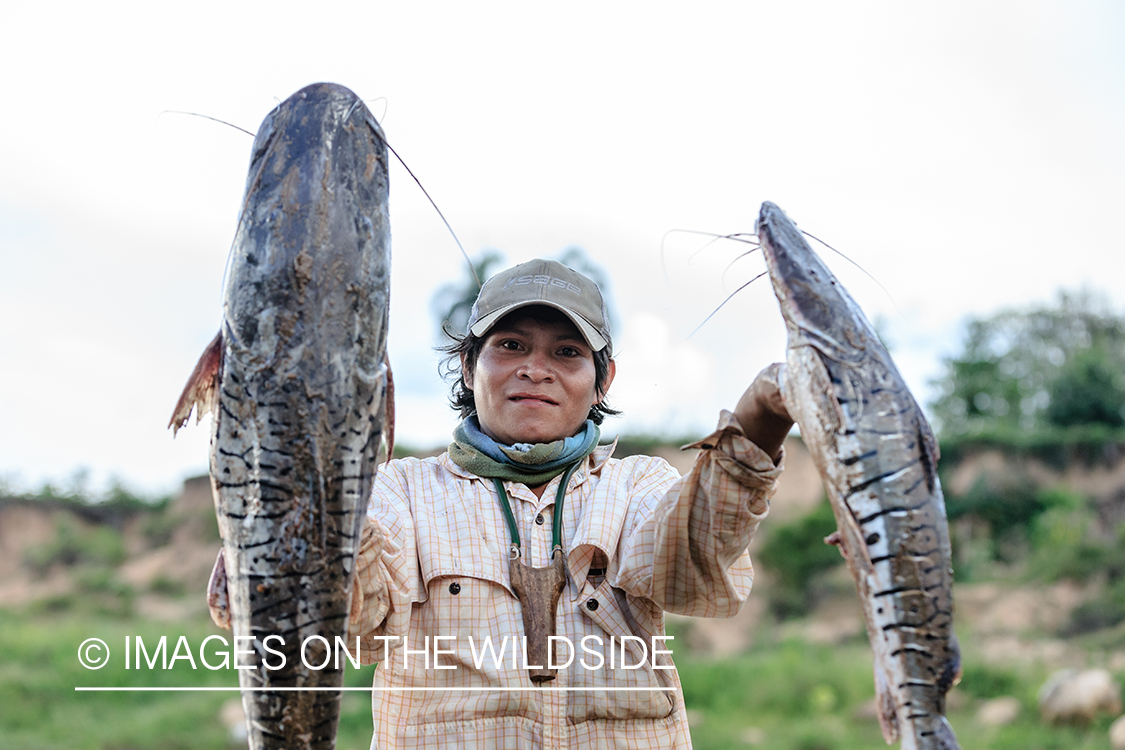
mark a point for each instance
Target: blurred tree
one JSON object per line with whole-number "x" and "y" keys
{"x": 453, "y": 302}
{"x": 576, "y": 258}
{"x": 1090, "y": 388}
{"x": 1025, "y": 369}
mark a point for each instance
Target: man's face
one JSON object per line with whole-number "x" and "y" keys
{"x": 534, "y": 379}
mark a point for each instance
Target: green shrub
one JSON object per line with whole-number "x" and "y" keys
{"x": 101, "y": 591}
{"x": 972, "y": 552}
{"x": 72, "y": 545}
{"x": 101, "y": 580}
{"x": 795, "y": 553}
{"x": 159, "y": 527}
{"x": 211, "y": 527}
{"x": 1089, "y": 389}
{"x": 55, "y": 603}
{"x": 1106, "y": 611}
{"x": 983, "y": 681}
{"x": 167, "y": 586}
{"x": 1003, "y": 508}
{"x": 1062, "y": 542}
{"x": 1013, "y": 512}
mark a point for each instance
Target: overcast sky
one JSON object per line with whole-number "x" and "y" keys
{"x": 968, "y": 155}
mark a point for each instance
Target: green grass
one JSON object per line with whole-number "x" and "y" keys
{"x": 797, "y": 696}
{"x": 786, "y": 695}
{"x": 781, "y": 695}
{"x": 39, "y": 670}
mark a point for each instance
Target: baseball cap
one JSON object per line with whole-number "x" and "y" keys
{"x": 543, "y": 282}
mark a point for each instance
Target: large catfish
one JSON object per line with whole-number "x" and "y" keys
{"x": 878, "y": 459}
{"x": 297, "y": 385}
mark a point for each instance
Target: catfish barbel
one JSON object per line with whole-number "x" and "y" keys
{"x": 297, "y": 385}
{"x": 878, "y": 458}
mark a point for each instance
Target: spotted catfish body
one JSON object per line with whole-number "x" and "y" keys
{"x": 878, "y": 458}
{"x": 297, "y": 385}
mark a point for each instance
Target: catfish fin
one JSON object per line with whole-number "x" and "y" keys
{"x": 389, "y": 410}
{"x": 218, "y": 599}
{"x": 202, "y": 386}
{"x": 951, "y": 674}
{"x": 885, "y": 708}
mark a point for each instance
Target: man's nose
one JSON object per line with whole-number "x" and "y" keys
{"x": 537, "y": 368}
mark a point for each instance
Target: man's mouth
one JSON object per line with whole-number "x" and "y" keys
{"x": 532, "y": 397}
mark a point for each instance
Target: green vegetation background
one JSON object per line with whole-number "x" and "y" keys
{"x": 781, "y": 694}
{"x": 1045, "y": 383}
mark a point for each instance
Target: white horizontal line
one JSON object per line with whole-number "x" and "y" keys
{"x": 377, "y": 689}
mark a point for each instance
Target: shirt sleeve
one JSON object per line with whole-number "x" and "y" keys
{"x": 688, "y": 552}
{"x": 386, "y": 573}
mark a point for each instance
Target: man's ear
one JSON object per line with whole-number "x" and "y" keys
{"x": 466, "y": 372}
{"x": 610, "y": 372}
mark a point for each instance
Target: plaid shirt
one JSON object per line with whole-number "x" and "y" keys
{"x": 639, "y": 541}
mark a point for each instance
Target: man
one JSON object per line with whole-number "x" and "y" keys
{"x": 527, "y": 529}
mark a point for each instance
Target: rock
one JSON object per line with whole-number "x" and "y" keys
{"x": 233, "y": 718}
{"x": 999, "y": 712}
{"x": 1078, "y": 696}
{"x": 1117, "y": 734}
{"x": 753, "y": 736}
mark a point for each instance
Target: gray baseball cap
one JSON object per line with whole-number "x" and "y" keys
{"x": 543, "y": 282}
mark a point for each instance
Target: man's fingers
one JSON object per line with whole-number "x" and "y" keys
{"x": 772, "y": 393}
{"x": 355, "y": 611}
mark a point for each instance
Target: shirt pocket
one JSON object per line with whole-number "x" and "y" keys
{"x": 614, "y": 649}
{"x": 461, "y": 556}
{"x": 465, "y": 636}
{"x": 458, "y": 537}
{"x": 469, "y": 610}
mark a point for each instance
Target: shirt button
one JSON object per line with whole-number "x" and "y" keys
{"x": 592, "y": 604}
{"x": 539, "y": 519}
{"x": 455, "y": 588}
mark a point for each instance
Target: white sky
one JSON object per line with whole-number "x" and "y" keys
{"x": 968, "y": 155}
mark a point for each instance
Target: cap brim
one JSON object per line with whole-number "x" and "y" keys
{"x": 593, "y": 338}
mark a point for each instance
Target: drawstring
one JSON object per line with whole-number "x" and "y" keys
{"x": 556, "y": 531}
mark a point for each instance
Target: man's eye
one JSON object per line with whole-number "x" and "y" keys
{"x": 510, "y": 344}
{"x": 570, "y": 351}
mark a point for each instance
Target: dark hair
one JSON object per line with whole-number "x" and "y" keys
{"x": 461, "y": 398}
